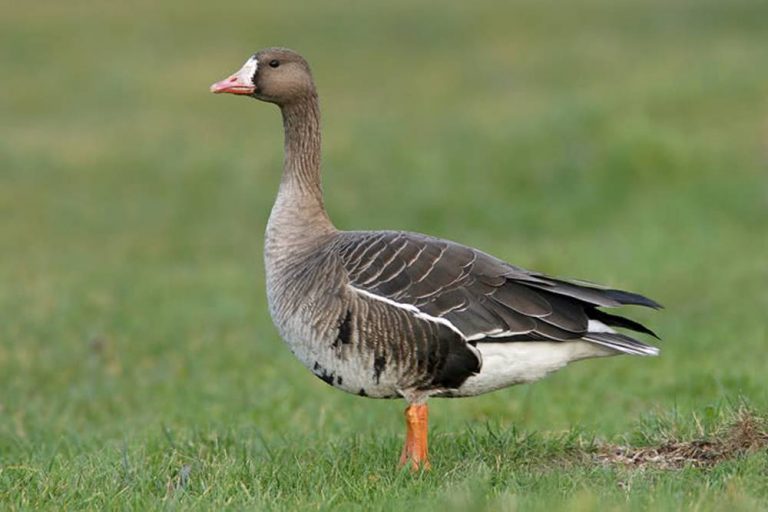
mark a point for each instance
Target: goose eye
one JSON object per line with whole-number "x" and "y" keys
{"x": 274, "y": 63}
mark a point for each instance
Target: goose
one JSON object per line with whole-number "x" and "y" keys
{"x": 395, "y": 314}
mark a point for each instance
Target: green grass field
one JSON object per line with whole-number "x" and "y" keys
{"x": 621, "y": 142}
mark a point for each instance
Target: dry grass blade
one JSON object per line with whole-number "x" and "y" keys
{"x": 748, "y": 433}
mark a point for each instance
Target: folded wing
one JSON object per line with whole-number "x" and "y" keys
{"x": 484, "y": 298}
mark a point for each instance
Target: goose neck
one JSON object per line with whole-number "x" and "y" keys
{"x": 301, "y": 122}
{"x": 300, "y": 198}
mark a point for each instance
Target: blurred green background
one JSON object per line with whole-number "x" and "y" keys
{"x": 618, "y": 141}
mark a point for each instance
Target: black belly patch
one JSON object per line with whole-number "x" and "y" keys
{"x": 379, "y": 365}
{"x": 345, "y": 330}
{"x": 324, "y": 374}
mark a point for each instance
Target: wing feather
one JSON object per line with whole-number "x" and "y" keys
{"x": 482, "y": 297}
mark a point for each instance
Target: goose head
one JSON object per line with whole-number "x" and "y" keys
{"x": 275, "y": 75}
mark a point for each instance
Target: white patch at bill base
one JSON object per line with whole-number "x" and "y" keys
{"x": 245, "y": 75}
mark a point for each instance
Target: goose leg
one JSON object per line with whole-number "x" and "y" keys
{"x": 415, "y": 447}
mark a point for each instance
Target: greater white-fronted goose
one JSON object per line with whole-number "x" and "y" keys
{"x": 391, "y": 314}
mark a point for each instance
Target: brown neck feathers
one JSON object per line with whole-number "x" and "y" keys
{"x": 301, "y": 170}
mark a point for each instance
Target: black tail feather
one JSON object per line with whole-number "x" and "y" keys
{"x": 619, "y": 321}
{"x": 632, "y": 298}
{"x": 592, "y": 294}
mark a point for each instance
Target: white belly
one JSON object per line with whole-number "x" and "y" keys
{"x": 507, "y": 364}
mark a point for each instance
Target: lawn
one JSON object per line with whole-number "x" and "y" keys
{"x": 621, "y": 142}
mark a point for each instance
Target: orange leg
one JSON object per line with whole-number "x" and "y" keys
{"x": 415, "y": 447}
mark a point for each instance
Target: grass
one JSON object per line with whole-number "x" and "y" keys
{"x": 622, "y": 142}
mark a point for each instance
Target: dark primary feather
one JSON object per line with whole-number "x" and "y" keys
{"x": 619, "y": 321}
{"x": 485, "y": 298}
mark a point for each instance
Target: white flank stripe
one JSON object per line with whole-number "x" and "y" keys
{"x": 411, "y": 309}
{"x": 504, "y": 334}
